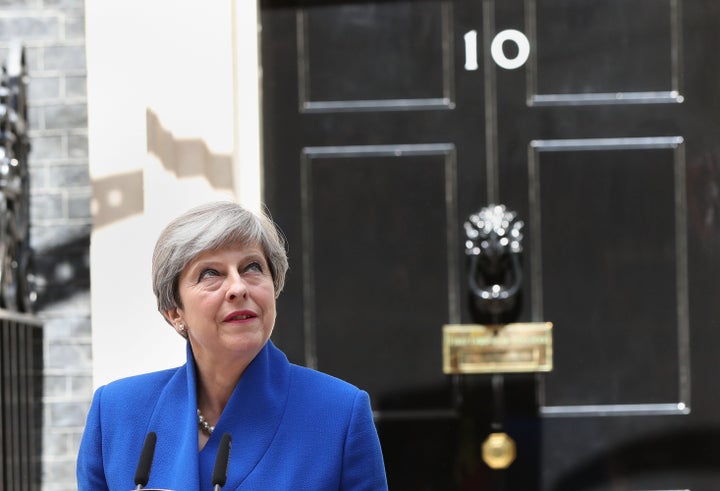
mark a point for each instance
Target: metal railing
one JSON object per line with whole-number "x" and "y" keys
{"x": 21, "y": 390}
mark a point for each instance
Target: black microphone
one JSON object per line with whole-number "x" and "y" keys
{"x": 142, "y": 473}
{"x": 222, "y": 460}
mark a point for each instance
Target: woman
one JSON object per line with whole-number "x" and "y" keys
{"x": 217, "y": 271}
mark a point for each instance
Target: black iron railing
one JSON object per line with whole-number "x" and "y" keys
{"x": 21, "y": 389}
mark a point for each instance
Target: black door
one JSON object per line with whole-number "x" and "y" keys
{"x": 388, "y": 123}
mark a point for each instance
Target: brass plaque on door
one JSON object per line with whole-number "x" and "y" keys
{"x": 506, "y": 348}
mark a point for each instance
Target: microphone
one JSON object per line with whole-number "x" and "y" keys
{"x": 222, "y": 460}
{"x": 142, "y": 473}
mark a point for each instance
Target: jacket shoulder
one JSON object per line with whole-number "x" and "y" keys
{"x": 136, "y": 389}
{"x": 323, "y": 385}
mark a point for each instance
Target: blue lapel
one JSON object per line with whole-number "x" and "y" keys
{"x": 252, "y": 417}
{"x": 175, "y": 421}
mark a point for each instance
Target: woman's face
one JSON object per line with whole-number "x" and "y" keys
{"x": 228, "y": 302}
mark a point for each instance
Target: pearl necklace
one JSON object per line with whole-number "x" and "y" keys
{"x": 204, "y": 425}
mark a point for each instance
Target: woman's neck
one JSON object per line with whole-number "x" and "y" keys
{"x": 214, "y": 388}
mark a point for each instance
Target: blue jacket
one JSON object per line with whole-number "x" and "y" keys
{"x": 292, "y": 428}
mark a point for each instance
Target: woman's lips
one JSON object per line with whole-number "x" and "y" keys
{"x": 240, "y": 315}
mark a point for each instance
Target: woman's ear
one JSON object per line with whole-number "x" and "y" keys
{"x": 172, "y": 316}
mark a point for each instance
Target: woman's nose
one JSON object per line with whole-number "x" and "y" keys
{"x": 236, "y": 287}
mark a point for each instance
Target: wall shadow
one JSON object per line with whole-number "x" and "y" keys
{"x": 188, "y": 157}
{"x": 117, "y": 197}
{"x": 120, "y": 196}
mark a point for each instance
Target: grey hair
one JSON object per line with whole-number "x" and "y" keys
{"x": 209, "y": 227}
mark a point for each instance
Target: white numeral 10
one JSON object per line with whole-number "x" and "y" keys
{"x": 496, "y": 49}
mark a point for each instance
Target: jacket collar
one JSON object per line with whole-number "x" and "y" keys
{"x": 252, "y": 417}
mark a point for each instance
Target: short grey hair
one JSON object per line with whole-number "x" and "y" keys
{"x": 210, "y": 227}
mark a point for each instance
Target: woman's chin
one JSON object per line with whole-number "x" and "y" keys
{"x": 246, "y": 343}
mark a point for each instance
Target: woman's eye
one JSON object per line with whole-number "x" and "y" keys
{"x": 208, "y": 273}
{"x": 254, "y": 267}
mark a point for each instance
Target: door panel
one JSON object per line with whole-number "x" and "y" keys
{"x": 344, "y": 63}
{"x": 365, "y": 277}
{"x": 626, "y": 250}
{"x": 382, "y": 137}
{"x": 625, "y": 50}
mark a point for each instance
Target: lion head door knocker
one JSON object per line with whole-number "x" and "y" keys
{"x": 494, "y": 244}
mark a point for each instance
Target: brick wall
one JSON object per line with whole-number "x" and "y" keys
{"x": 52, "y": 32}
